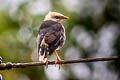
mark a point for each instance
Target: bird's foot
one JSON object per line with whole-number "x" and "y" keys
{"x": 46, "y": 63}
{"x": 57, "y": 60}
{"x": 0, "y": 59}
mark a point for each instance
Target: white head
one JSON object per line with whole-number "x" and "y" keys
{"x": 55, "y": 16}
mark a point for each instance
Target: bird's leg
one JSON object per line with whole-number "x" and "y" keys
{"x": 57, "y": 59}
{"x": 46, "y": 62}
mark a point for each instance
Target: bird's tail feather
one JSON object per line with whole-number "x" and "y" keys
{"x": 43, "y": 51}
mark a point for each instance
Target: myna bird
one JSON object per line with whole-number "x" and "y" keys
{"x": 51, "y": 36}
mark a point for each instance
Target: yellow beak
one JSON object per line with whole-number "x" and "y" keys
{"x": 64, "y": 17}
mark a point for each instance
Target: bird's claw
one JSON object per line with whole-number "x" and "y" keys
{"x": 57, "y": 60}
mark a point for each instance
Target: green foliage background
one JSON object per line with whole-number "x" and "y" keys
{"x": 84, "y": 30}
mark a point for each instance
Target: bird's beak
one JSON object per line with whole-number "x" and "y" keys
{"x": 64, "y": 17}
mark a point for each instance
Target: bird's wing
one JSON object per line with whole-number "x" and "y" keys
{"x": 54, "y": 40}
{"x": 51, "y": 36}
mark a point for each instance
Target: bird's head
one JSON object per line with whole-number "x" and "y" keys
{"x": 55, "y": 16}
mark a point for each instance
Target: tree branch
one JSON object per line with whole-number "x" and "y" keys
{"x": 10, "y": 65}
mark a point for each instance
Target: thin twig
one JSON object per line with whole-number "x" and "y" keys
{"x": 10, "y": 65}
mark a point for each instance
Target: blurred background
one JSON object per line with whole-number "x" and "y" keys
{"x": 93, "y": 30}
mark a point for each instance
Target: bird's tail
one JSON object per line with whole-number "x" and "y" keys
{"x": 43, "y": 51}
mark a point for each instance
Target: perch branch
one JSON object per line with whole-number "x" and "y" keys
{"x": 10, "y": 65}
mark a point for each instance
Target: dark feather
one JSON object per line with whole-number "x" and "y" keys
{"x": 54, "y": 36}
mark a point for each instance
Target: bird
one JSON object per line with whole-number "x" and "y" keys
{"x": 51, "y": 37}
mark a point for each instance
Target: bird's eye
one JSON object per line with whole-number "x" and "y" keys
{"x": 57, "y": 17}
